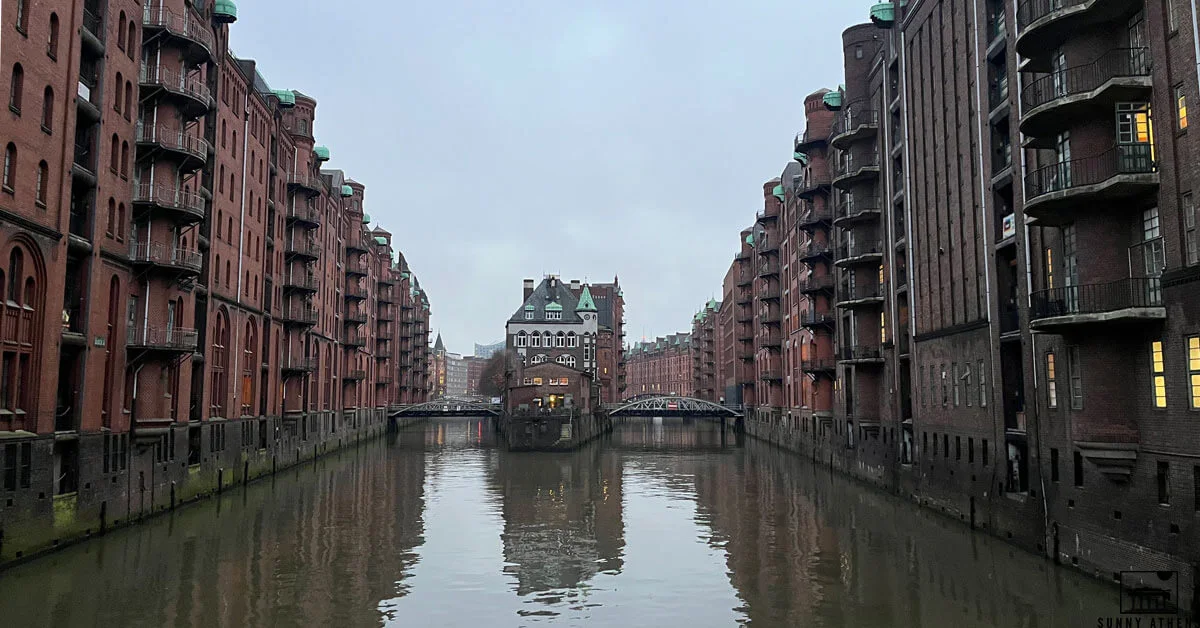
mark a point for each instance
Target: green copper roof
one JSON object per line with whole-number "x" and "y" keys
{"x": 712, "y": 304}
{"x": 405, "y": 274}
{"x": 778, "y": 192}
{"x": 425, "y": 307}
{"x": 225, "y": 11}
{"x": 287, "y": 98}
{"x": 322, "y": 153}
{"x": 832, "y": 100}
{"x": 750, "y": 239}
{"x": 586, "y": 304}
{"x": 883, "y": 14}
{"x": 800, "y": 157}
{"x": 380, "y": 240}
{"x": 529, "y": 308}
{"x": 347, "y": 191}
{"x": 553, "y": 306}
{"x": 366, "y": 218}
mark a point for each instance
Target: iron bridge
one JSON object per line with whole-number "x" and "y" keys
{"x": 671, "y": 406}
{"x": 450, "y": 407}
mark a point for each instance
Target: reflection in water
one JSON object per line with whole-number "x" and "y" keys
{"x": 664, "y": 522}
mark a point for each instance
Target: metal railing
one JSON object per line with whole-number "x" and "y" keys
{"x": 1119, "y": 160}
{"x": 771, "y": 316}
{"x": 862, "y": 291}
{"x": 815, "y": 249}
{"x": 858, "y": 162}
{"x": 300, "y": 281}
{"x": 811, "y": 318}
{"x": 354, "y": 291}
{"x": 164, "y": 195}
{"x": 93, "y": 24}
{"x": 299, "y": 364}
{"x": 767, "y": 375}
{"x": 818, "y": 364}
{"x": 812, "y": 283}
{"x": 769, "y": 293}
{"x": 354, "y": 339}
{"x": 768, "y": 267}
{"x": 163, "y": 254}
{"x": 168, "y": 338}
{"x": 356, "y": 267}
{"x": 1097, "y": 298}
{"x": 861, "y": 352}
{"x": 355, "y": 315}
{"x": 853, "y": 118}
{"x": 176, "y": 81}
{"x": 310, "y": 248}
{"x": 174, "y": 139}
{"x": 305, "y": 213}
{"x": 860, "y": 208}
{"x": 849, "y": 250}
{"x": 182, "y": 25}
{"x": 772, "y": 339}
{"x": 1080, "y": 79}
{"x": 304, "y": 181}
{"x": 1030, "y": 11}
{"x": 300, "y": 314}
{"x": 814, "y": 215}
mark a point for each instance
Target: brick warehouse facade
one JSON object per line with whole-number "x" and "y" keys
{"x": 662, "y": 366}
{"x": 174, "y": 209}
{"x": 988, "y": 271}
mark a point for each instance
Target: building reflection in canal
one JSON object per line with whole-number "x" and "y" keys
{"x": 664, "y": 522}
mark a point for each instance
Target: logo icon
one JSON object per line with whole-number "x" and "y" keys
{"x": 1149, "y": 592}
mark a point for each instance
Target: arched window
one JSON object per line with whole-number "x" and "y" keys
{"x": 535, "y": 339}
{"x": 121, "y": 222}
{"x": 10, "y": 166}
{"x": 131, "y": 41}
{"x": 52, "y": 42}
{"x": 125, "y": 160}
{"x": 43, "y": 182}
{"x": 303, "y": 126}
{"x": 224, "y": 130}
{"x": 221, "y": 182}
{"x": 234, "y": 144}
{"x": 560, "y": 340}
{"x": 16, "y": 88}
{"x": 118, "y": 92}
{"x": 121, "y": 31}
{"x": 114, "y": 160}
{"x": 572, "y": 339}
{"x": 128, "y": 100}
{"x": 16, "y": 272}
{"x": 231, "y": 186}
{"x": 229, "y": 230}
{"x": 48, "y": 109}
{"x": 522, "y": 339}
{"x": 227, "y": 284}
{"x": 22, "y": 15}
{"x": 249, "y": 361}
{"x": 217, "y": 271}
{"x": 112, "y": 217}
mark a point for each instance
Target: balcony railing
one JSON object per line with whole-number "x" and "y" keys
{"x": 768, "y": 267}
{"x": 307, "y": 248}
{"x": 306, "y": 182}
{"x": 166, "y": 255}
{"x": 168, "y": 197}
{"x": 769, "y": 340}
{"x": 854, "y": 118}
{"x": 858, "y": 162}
{"x": 812, "y": 365}
{"x": 1081, "y": 79}
{"x": 1030, "y": 11}
{"x": 301, "y": 282}
{"x": 812, "y": 318}
{"x": 181, "y": 25}
{"x": 299, "y": 364}
{"x": 355, "y": 291}
{"x": 1124, "y": 159}
{"x": 1101, "y": 298}
{"x": 93, "y": 24}
{"x": 354, "y": 339}
{"x": 173, "y": 139}
{"x": 768, "y": 375}
{"x": 356, "y": 267}
{"x": 813, "y": 284}
{"x": 295, "y": 313}
{"x": 162, "y": 338}
{"x": 815, "y": 249}
{"x": 303, "y": 212}
{"x": 861, "y": 352}
{"x": 872, "y": 290}
{"x": 357, "y": 374}
{"x": 354, "y": 315}
{"x": 769, "y": 293}
{"x": 862, "y": 208}
{"x": 175, "y": 81}
{"x": 859, "y": 248}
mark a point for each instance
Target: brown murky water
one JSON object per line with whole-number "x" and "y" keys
{"x": 664, "y": 523}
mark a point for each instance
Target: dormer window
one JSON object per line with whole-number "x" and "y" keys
{"x": 528, "y": 315}
{"x": 553, "y": 316}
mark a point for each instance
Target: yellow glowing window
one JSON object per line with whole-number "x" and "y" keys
{"x": 882, "y": 327}
{"x": 1194, "y": 370}
{"x": 1051, "y": 382}
{"x": 1158, "y": 374}
{"x": 1181, "y": 106}
{"x": 537, "y": 381}
{"x": 1050, "y": 270}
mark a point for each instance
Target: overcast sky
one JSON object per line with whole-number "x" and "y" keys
{"x": 500, "y": 140}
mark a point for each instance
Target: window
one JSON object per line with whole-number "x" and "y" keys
{"x": 1193, "y": 361}
{"x": 52, "y": 41}
{"x": 537, "y": 381}
{"x": 1164, "y": 483}
{"x": 131, "y": 41}
{"x": 121, "y": 31}
{"x": 118, "y": 92}
{"x": 1189, "y": 229}
{"x": 521, "y": 339}
{"x": 1051, "y": 382}
{"x": 983, "y": 449}
{"x": 114, "y": 158}
{"x": 1172, "y": 19}
{"x": 1075, "y": 372}
{"x": 1050, "y": 268}
{"x": 572, "y": 340}
{"x": 957, "y": 388}
{"x": 48, "y": 109}
{"x": 124, "y": 160}
{"x": 22, "y": 15}
{"x": 882, "y": 318}
{"x": 16, "y": 87}
{"x": 983, "y": 393}
{"x": 528, "y": 381}
{"x": 945, "y": 388}
{"x": 1078, "y": 469}
{"x": 1053, "y": 464}
{"x": 128, "y": 100}
{"x": 553, "y": 316}
{"x": 10, "y": 167}
{"x": 43, "y": 181}
{"x": 560, "y": 340}
{"x": 528, "y": 315}
{"x": 1181, "y": 106}
{"x": 1158, "y": 374}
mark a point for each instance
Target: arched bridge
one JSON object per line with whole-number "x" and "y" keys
{"x": 450, "y": 407}
{"x": 671, "y": 406}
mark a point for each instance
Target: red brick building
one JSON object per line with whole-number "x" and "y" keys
{"x": 186, "y": 282}
{"x": 661, "y": 366}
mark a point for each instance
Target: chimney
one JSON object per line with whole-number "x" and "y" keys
{"x": 528, "y": 290}
{"x": 575, "y": 287}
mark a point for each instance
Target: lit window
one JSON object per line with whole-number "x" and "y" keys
{"x": 1193, "y": 354}
{"x": 1051, "y": 382}
{"x": 537, "y": 381}
{"x": 1050, "y": 268}
{"x": 1181, "y": 106}
{"x": 882, "y": 323}
{"x": 1158, "y": 374}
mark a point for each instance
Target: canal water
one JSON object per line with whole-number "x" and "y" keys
{"x": 662, "y": 523}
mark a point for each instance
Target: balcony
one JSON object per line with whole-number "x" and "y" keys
{"x": 93, "y": 31}
{"x": 814, "y": 284}
{"x": 303, "y": 183}
{"x": 299, "y": 314}
{"x": 771, "y": 340}
{"x": 1129, "y": 301}
{"x": 855, "y": 171}
{"x": 1044, "y": 24}
{"x": 770, "y": 375}
{"x": 383, "y": 335}
{"x": 808, "y": 140}
{"x": 190, "y": 150}
{"x": 302, "y": 248}
{"x": 182, "y": 206}
{"x": 385, "y": 295}
{"x": 165, "y": 257}
{"x": 386, "y": 279}
{"x": 768, "y": 267}
{"x": 354, "y": 339}
{"x": 189, "y": 93}
{"x": 769, "y": 317}
{"x": 814, "y": 252}
{"x": 856, "y": 123}
{"x": 356, "y": 268}
{"x": 863, "y": 210}
{"x": 354, "y": 244}
{"x": 861, "y": 354}
{"x": 304, "y": 215}
{"x": 301, "y": 283}
{"x": 812, "y": 319}
{"x": 195, "y": 36}
{"x": 814, "y": 217}
{"x": 298, "y": 366}
{"x": 1062, "y": 192}
{"x": 356, "y": 375}
{"x": 813, "y": 185}
{"x": 869, "y": 295}
{"x": 818, "y": 365}
{"x": 768, "y": 293}
{"x": 1051, "y": 103}
{"x": 354, "y": 292}
{"x": 165, "y": 339}
{"x": 385, "y": 315}
{"x": 864, "y": 252}
{"x": 355, "y": 316}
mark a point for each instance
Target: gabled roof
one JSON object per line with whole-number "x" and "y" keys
{"x": 545, "y": 297}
